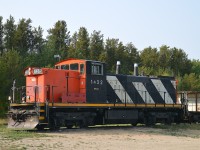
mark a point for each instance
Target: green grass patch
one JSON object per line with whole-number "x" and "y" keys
{"x": 184, "y": 130}
{"x": 11, "y": 134}
{"x": 3, "y": 121}
{"x": 17, "y": 135}
{"x": 8, "y": 137}
{"x": 176, "y": 127}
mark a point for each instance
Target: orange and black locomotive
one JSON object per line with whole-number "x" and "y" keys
{"x": 80, "y": 93}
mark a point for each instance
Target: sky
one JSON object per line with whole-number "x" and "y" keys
{"x": 175, "y": 23}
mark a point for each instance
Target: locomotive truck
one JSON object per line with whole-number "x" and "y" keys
{"x": 80, "y": 93}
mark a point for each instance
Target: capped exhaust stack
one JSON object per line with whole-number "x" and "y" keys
{"x": 135, "y": 69}
{"x": 118, "y": 67}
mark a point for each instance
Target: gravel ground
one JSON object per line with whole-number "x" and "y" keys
{"x": 108, "y": 138}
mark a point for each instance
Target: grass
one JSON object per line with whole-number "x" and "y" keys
{"x": 17, "y": 135}
{"x": 10, "y": 134}
{"x": 9, "y": 137}
{"x": 183, "y": 129}
{"x": 3, "y": 122}
{"x": 182, "y": 126}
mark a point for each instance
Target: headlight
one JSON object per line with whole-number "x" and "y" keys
{"x": 37, "y": 71}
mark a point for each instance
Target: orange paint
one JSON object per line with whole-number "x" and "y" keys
{"x": 58, "y": 85}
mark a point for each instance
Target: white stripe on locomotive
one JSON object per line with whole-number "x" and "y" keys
{"x": 143, "y": 92}
{"x": 119, "y": 89}
{"x": 162, "y": 91}
{"x": 173, "y": 83}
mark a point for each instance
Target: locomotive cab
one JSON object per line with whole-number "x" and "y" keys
{"x": 91, "y": 80}
{"x": 71, "y": 81}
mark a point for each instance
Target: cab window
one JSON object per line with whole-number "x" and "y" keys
{"x": 97, "y": 69}
{"x": 57, "y": 67}
{"x": 65, "y": 67}
{"x": 74, "y": 66}
{"x": 81, "y": 68}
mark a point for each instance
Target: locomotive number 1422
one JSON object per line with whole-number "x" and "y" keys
{"x": 100, "y": 82}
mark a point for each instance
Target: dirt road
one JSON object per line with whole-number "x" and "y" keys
{"x": 110, "y": 138}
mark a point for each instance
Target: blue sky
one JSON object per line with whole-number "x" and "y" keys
{"x": 175, "y": 23}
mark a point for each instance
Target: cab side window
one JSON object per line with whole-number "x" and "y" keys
{"x": 97, "y": 69}
{"x": 65, "y": 67}
{"x": 82, "y": 69}
{"x": 74, "y": 66}
{"x": 57, "y": 67}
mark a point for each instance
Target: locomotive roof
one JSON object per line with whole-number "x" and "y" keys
{"x": 149, "y": 77}
{"x": 75, "y": 60}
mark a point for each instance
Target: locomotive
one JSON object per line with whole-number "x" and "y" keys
{"x": 79, "y": 92}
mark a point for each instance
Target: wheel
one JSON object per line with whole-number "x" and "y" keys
{"x": 169, "y": 120}
{"x": 134, "y": 123}
{"x": 69, "y": 126}
{"x": 40, "y": 127}
{"x": 150, "y": 121}
{"x": 54, "y": 125}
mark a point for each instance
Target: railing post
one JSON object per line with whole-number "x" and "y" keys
{"x": 52, "y": 96}
{"x": 35, "y": 94}
{"x": 164, "y": 99}
{"x": 145, "y": 92}
{"x": 13, "y": 88}
{"x": 125, "y": 97}
{"x": 196, "y": 98}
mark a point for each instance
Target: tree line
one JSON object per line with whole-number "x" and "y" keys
{"x": 23, "y": 45}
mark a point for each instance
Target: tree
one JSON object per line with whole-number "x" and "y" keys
{"x": 38, "y": 41}
{"x": 189, "y": 82}
{"x": 96, "y": 45}
{"x": 120, "y": 55}
{"x": 82, "y": 44}
{"x": 110, "y": 57}
{"x": 1, "y": 35}
{"x": 10, "y": 69}
{"x": 164, "y": 57}
{"x": 131, "y": 57}
{"x": 149, "y": 60}
{"x": 179, "y": 63}
{"x": 73, "y": 52}
{"x": 59, "y": 38}
{"x": 195, "y": 67}
{"x": 11, "y": 61}
{"x": 9, "y": 33}
{"x": 149, "y": 57}
{"x": 24, "y": 37}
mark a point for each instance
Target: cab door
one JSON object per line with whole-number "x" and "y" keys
{"x": 95, "y": 82}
